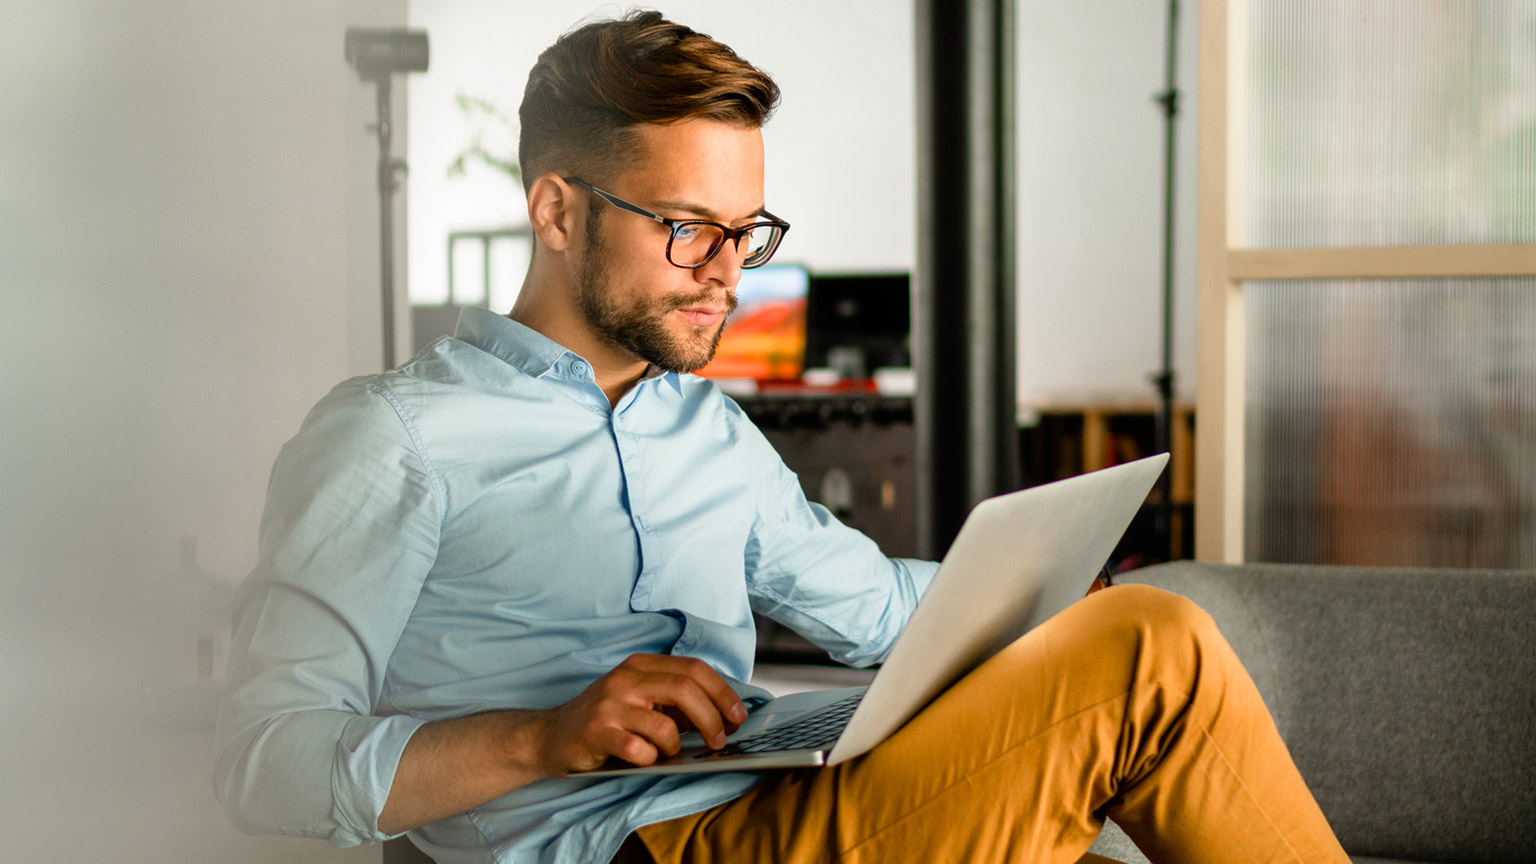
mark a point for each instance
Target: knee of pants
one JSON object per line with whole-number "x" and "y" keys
{"x": 1153, "y": 613}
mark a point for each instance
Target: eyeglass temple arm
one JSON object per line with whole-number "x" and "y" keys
{"x": 618, "y": 202}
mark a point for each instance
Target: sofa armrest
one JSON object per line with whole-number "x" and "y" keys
{"x": 1406, "y": 696}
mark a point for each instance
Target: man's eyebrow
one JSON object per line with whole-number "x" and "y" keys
{"x": 709, "y": 213}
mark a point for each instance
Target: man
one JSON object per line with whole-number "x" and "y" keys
{"x": 538, "y": 546}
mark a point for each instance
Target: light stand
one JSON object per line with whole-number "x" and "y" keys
{"x": 1163, "y": 379}
{"x": 376, "y": 55}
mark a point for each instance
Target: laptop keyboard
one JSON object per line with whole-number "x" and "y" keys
{"x": 808, "y": 733}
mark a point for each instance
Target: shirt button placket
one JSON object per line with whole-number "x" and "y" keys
{"x": 631, "y": 463}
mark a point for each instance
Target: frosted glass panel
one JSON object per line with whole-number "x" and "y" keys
{"x": 1392, "y": 422}
{"x": 1390, "y": 122}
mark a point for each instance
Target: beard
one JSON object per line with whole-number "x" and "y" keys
{"x": 639, "y": 326}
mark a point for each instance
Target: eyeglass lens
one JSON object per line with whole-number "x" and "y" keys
{"x": 695, "y": 242}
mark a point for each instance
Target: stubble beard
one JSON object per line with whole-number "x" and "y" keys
{"x": 640, "y": 327}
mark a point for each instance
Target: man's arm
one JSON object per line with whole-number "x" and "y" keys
{"x": 634, "y": 713}
{"x": 348, "y": 535}
{"x": 828, "y": 582}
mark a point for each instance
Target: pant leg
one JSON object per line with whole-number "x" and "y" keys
{"x": 634, "y": 852}
{"x": 1129, "y": 703}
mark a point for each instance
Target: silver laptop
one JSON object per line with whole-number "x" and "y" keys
{"x": 1019, "y": 559}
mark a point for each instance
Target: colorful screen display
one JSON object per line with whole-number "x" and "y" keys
{"x": 764, "y": 338}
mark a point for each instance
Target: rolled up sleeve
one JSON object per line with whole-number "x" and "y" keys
{"x": 349, "y": 533}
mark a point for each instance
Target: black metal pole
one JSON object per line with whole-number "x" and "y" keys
{"x": 376, "y": 55}
{"x": 964, "y": 298}
{"x": 387, "y": 185}
{"x": 1164, "y": 378}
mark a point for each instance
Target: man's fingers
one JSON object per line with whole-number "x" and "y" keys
{"x": 657, "y": 728}
{"x": 686, "y": 697}
{"x": 664, "y": 693}
{"x": 635, "y": 734}
{"x": 727, "y": 704}
{"x": 628, "y": 746}
{"x": 635, "y": 712}
{"x": 640, "y": 735}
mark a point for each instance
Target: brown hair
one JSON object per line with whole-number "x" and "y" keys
{"x": 599, "y": 80}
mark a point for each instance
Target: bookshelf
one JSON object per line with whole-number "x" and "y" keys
{"x": 1064, "y": 438}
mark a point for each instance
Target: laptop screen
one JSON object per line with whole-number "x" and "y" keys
{"x": 764, "y": 338}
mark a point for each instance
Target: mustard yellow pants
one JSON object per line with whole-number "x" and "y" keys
{"x": 1130, "y": 704}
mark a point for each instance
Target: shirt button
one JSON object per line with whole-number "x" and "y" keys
{"x": 578, "y": 368}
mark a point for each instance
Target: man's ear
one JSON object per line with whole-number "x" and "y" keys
{"x": 552, "y": 211}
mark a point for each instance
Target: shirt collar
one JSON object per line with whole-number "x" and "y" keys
{"x": 524, "y": 348}
{"x": 671, "y": 378}
{"x": 519, "y": 345}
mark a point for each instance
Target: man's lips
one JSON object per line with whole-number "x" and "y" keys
{"x": 702, "y": 316}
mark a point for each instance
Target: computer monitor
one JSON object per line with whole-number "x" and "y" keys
{"x": 859, "y": 322}
{"x": 764, "y": 338}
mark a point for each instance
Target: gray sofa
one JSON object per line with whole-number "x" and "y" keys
{"x": 1406, "y": 696}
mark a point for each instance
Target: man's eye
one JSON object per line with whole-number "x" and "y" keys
{"x": 687, "y": 233}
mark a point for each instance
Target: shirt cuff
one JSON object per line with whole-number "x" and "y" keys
{"x": 920, "y": 573}
{"x": 366, "y": 758}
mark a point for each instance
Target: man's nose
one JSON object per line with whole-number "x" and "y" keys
{"x": 725, "y": 267}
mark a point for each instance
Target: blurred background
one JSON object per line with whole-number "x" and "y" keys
{"x": 189, "y": 260}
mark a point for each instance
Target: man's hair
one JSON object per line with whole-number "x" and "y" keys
{"x": 598, "y": 81}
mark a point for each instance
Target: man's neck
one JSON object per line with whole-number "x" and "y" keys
{"x": 616, "y": 371}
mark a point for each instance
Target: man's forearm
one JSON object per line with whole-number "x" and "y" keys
{"x": 453, "y": 765}
{"x": 450, "y": 766}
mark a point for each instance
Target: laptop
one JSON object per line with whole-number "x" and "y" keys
{"x": 1019, "y": 559}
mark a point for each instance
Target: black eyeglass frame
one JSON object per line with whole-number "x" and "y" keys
{"x": 729, "y": 234}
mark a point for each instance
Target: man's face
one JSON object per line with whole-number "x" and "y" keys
{"x": 629, "y": 294}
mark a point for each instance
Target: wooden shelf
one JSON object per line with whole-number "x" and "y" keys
{"x": 1071, "y": 437}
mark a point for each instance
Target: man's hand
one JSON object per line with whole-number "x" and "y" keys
{"x": 636, "y": 713}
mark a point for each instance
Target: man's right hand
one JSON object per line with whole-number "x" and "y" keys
{"x": 637, "y": 711}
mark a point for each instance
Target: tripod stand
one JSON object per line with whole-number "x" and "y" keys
{"x": 1163, "y": 379}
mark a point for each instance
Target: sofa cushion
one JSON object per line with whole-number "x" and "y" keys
{"x": 1406, "y": 696}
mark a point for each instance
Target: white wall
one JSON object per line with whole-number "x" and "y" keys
{"x": 841, "y": 158}
{"x": 186, "y": 265}
{"x": 1090, "y": 198}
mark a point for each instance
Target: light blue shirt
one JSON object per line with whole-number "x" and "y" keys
{"x": 480, "y": 530}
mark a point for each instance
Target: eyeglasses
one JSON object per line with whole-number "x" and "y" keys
{"x": 695, "y": 242}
